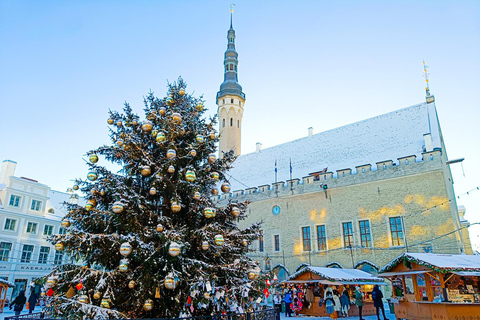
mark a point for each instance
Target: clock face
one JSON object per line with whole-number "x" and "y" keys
{"x": 276, "y": 210}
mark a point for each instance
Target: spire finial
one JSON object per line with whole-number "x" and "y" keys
{"x": 429, "y": 96}
{"x": 231, "y": 14}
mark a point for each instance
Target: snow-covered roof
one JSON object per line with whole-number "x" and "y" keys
{"x": 439, "y": 262}
{"x": 338, "y": 275}
{"x": 8, "y": 283}
{"x": 386, "y": 137}
{"x": 56, "y": 202}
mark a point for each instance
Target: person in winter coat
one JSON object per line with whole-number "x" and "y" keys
{"x": 359, "y": 301}
{"x": 19, "y": 302}
{"x": 277, "y": 301}
{"x": 32, "y": 301}
{"x": 377, "y": 297}
{"x": 338, "y": 305}
{"x": 330, "y": 304}
{"x": 345, "y": 303}
{"x": 288, "y": 303}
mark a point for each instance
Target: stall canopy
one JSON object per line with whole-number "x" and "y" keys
{"x": 333, "y": 276}
{"x": 455, "y": 263}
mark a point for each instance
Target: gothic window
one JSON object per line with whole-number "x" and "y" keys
{"x": 231, "y": 122}
{"x": 238, "y": 123}
{"x": 223, "y": 101}
{"x": 223, "y": 123}
{"x": 231, "y": 100}
{"x": 231, "y": 67}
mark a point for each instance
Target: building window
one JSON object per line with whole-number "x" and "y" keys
{"x": 48, "y": 230}
{"x": 223, "y": 101}
{"x": 365, "y": 236}
{"x": 276, "y": 242}
{"x": 223, "y": 123}
{"x": 36, "y": 205}
{"x": 10, "y": 224}
{"x": 238, "y": 123}
{"x": 260, "y": 242}
{"x": 61, "y": 230}
{"x": 347, "y": 234}
{"x": 27, "y": 253}
{"x": 406, "y": 161}
{"x": 43, "y": 257}
{"x": 32, "y": 227}
{"x": 321, "y": 238}
{"x": 231, "y": 100}
{"x": 306, "y": 238}
{"x": 396, "y": 230}
{"x": 231, "y": 122}
{"x": 14, "y": 201}
{"x": 5, "y": 248}
{"x": 58, "y": 257}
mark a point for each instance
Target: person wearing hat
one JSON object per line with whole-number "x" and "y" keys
{"x": 359, "y": 301}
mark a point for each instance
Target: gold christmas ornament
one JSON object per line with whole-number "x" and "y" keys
{"x": 160, "y": 137}
{"x": 110, "y": 121}
{"x": 59, "y": 246}
{"x": 154, "y": 133}
{"x": 131, "y": 284}
{"x": 51, "y": 282}
{"x": 152, "y": 191}
{"x": 181, "y": 92}
{"x": 93, "y": 158}
{"x": 245, "y": 242}
{"x": 123, "y": 267}
{"x": 176, "y": 118}
{"x": 145, "y": 171}
{"x": 212, "y": 158}
{"x": 214, "y": 176}
{"x": 235, "y": 212}
{"x": 159, "y": 177}
{"x": 134, "y": 123}
{"x": 119, "y": 142}
{"x": 212, "y": 135}
{"x": 117, "y": 207}
{"x": 199, "y": 106}
{"x": 199, "y": 138}
{"x": 159, "y": 228}
{"x": 151, "y": 116}
{"x": 83, "y": 299}
{"x": 225, "y": 187}
{"x": 214, "y": 191}
{"x": 175, "y": 207}
{"x": 174, "y": 249}
{"x": 162, "y": 111}
{"x": 190, "y": 175}
{"x": 171, "y": 154}
{"x": 76, "y": 187}
{"x": 88, "y": 207}
{"x": 119, "y": 123}
{"x": 206, "y": 295}
{"x": 169, "y": 282}
{"x": 102, "y": 192}
{"x": 193, "y": 153}
{"x": 205, "y": 245}
{"x": 197, "y": 196}
{"x": 66, "y": 223}
{"x": 209, "y": 213}
{"x": 148, "y": 305}
{"x": 171, "y": 169}
{"x": 105, "y": 303}
{"x": 97, "y": 295}
{"x": 125, "y": 249}
{"x": 147, "y": 126}
{"x": 170, "y": 101}
{"x": 219, "y": 240}
{"x": 253, "y": 274}
{"x": 92, "y": 176}
{"x": 93, "y": 192}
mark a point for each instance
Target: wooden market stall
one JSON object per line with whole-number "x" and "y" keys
{"x": 318, "y": 279}
{"x": 434, "y": 286}
{"x": 4, "y": 285}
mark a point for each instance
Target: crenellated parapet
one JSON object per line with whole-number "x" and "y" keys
{"x": 365, "y": 173}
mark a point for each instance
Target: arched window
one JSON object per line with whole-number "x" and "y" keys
{"x": 231, "y": 122}
{"x": 223, "y": 102}
{"x": 231, "y": 67}
{"x": 223, "y": 123}
{"x": 238, "y": 123}
{"x": 231, "y": 100}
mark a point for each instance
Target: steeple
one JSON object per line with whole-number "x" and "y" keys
{"x": 429, "y": 97}
{"x": 230, "y": 98}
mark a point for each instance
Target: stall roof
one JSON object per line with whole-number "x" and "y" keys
{"x": 8, "y": 283}
{"x": 346, "y": 276}
{"x": 438, "y": 262}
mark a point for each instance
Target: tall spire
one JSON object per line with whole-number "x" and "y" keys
{"x": 429, "y": 97}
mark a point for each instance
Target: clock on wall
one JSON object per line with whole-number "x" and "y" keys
{"x": 276, "y": 210}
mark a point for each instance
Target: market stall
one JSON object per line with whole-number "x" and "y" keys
{"x": 434, "y": 286}
{"x": 4, "y": 285}
{"x": 314, "y": 281}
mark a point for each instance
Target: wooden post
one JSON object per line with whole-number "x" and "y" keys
{"x": 415, "y": 288}
{"x": 404, "y": 285}
{"x": 441, "y": 277}
{"x": 429, "y": 287}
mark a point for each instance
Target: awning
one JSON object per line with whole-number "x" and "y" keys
{"x": 336, "y": 283}
{"x": 468, "y": 273}
{"x": 402, "y": 273}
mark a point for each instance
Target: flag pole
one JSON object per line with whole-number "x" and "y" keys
{"x": 276, "y": 185}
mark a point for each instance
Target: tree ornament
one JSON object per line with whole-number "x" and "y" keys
{"x": 157, "y": 293}
{"x": 169, "y": 282}
{"x": 219, "y": 240}
{"x": 92, "y": 176}
{"x": 212, "y": 135}
{"x": 199, "y": 106}
{"x": 148, "y": 305}
{"x": 212, "y": 158}
{"x": 193, "y": 153}
{"x": 125, "y": 249}
{"x": 110, "y": 121}
{"x": 117, "y": 207}
{"x": 174, "y": 249}
{"x": 170, "y": 101}
{"x": 162, "y": 111}
{"x": 152, "y": 191}
{"x": 97, "y": 295}
{"x": 206, "y": 295}
{"x": 83, "y": 298}
{"x": 181, "y": 92}
{"x": 235, "y": 212}
{"x": 252, "y": 274}
{"x": 160, "y": 137}
{"x": 145, "y": 171}
{"x": 66, "y": 223}
{"x": 119, "y": 142}
{"x": 76, "y": 187}
{"x": 214, "y": 191}
{"x": 102, "y": 192}
{"x": 147, "y": 126}
{"x": 134, "y": 123}
{"x": 51, "y": 282}
{"x": 245, "y": 242}
{"x": 59, "y": 246}
{"x": 225, "y": 187}
{"x": 197, "y": 196}
{"x": 209, "y": 213}
{"x": 93, "y": 158}
{"x": 119, "y": 123}
{"x": 123, "y": 267}
{"x": 171, "y": 154}
{"x": 190, "y": 175}
{"x": 88, "y": 207}
{"x": 93, "y": 192}
{"x": 131, "y": 284}
{"x": 154, "y": 133}
{"x": 159, "y": 228}
{"x": 171, "y": 169}
{"x": 176, "y": 118}
{"x": 151, "y": 116}
{"x": 199, "y": 138}
{"x": 205, "y": 245}
{"x": 105, "y": 303}
{"x": 214, "y": 176}
{"x": 175, "y": 207}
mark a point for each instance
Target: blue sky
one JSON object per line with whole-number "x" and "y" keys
{"x": 323, "y": 64}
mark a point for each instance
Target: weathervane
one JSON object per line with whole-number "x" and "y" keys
{"x": 231, "y": 7}
{"x": 429, "y": 97}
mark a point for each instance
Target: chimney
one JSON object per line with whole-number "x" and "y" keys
{"x": 8, "y": 170}
{"x": 258, "y": 147}
{"x": 427, "y": 137}
{"x": 310, "y": 131}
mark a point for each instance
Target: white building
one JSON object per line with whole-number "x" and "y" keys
{"x": 29, "y": 212}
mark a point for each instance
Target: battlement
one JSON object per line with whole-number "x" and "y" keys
{"x": 364, "y": 173}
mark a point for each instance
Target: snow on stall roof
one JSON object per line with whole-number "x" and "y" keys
{"x": 8, "y": 283}
{"x": 335, "y": 274}
{"x": 440, "y": 261}
{"x": 385, "y": 137}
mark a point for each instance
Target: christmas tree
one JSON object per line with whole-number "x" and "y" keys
{"x": 150, "y": 241}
